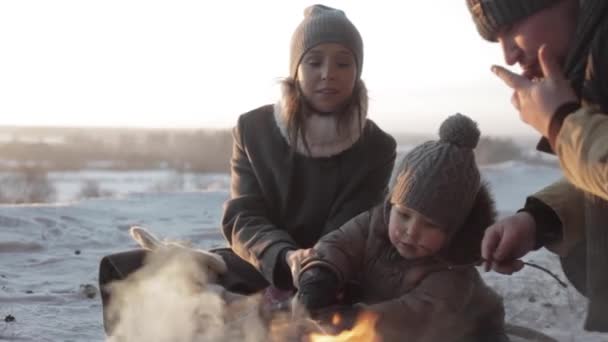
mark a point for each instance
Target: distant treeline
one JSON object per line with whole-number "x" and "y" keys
{"x": 195, "y": 151}
{"x": 497, "y": 150}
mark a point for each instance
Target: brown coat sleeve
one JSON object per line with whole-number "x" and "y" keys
{"x": 343, "y": 250}
{"x": 245, "y": 224}
{"x": 568, "y": 203}
{"x": 433, "y": 311}
{"x": 582, "y": 148}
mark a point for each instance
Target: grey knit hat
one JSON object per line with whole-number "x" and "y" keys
{"x": 440, "y": 179}
{"x": 491, "y": 16}
{"x": 324, "y": 24}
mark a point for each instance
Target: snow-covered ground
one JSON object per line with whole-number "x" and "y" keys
{"x": 49, "y": 253}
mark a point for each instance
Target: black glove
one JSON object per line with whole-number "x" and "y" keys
{"x": 282, "y": 273}
{"x": 319, "y": 288}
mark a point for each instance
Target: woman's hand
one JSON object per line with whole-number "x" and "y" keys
{"x": 294, "y": 260}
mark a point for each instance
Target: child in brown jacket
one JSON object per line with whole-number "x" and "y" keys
{"x": 413, "y": 257}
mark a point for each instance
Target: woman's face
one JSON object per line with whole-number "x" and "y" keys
{"x": 414, "y": 235}
{"x": 327, "y": 76}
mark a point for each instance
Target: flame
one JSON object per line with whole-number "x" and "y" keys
{"x": 363, "y": 331}
{"x": 336, "y": 319}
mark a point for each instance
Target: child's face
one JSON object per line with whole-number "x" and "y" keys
{"x": 414, "y": 235}
{"x": 327, "y": 76}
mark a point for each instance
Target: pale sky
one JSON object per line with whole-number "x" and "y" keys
{"x": 193, "y": 64}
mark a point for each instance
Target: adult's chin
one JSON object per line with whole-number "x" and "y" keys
{"x": 329, "y": 108}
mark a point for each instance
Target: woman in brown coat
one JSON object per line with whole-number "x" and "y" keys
{"x": 412, "y": 258}
{"x": 300, "y": 168}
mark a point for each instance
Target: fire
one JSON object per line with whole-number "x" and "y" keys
{"x": 363, "y": 331}
{"x": 336, "y": 319}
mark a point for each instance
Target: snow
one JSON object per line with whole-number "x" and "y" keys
{"x": 50, "y": 252}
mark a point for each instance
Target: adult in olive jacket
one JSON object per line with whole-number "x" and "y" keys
{"x": 562, "y": 47}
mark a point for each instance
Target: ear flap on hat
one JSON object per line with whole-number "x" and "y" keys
{"x": 465, "y": 245}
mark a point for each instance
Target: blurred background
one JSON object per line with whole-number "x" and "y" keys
{"x": 117, "y": 113}
{"x": 99, "y": 98}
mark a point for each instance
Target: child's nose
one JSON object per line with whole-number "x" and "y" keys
{"x": 413, "y": 231}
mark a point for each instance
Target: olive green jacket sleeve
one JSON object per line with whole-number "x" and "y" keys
{"x": 582, "y": 148}
{"x": 568, "y": 204}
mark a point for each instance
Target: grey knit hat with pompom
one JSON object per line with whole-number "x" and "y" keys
{"x": 440, "y": 179}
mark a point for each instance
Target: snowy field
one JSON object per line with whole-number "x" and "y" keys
{"x": 49, "y": 253}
